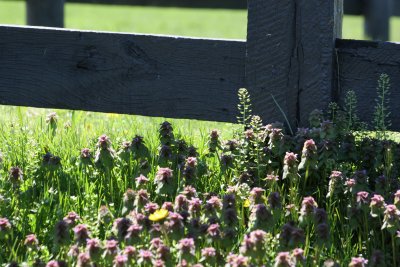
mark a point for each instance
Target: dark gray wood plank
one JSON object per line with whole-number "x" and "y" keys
{"x": 377, "y": 18}
{"x": 396, "y": 7}
{"x": 122, "y": 73}
{"x": 353, "y": 7}
{"x": 290, "y": 47}
{"x": 360, "y": 65}
{"x": 49, "y": 13}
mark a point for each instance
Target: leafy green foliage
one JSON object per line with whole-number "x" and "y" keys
{"x": 382, "y": 113}
{"x": 244, "y": 107}
{"x": 265, "y": 196}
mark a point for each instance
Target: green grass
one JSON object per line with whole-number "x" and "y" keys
{"x": 48, "y": 191}
{"x": 176, "y": 21}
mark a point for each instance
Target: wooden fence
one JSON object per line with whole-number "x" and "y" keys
{"x": 292, "y": 54}
{"x": 377, "y": 13}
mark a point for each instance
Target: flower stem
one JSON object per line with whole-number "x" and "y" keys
{"x": 394, "y": 251}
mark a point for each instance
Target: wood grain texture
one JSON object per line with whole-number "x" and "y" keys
{"x": 49, "y": 13}
{"x": 360, "y": 65}
{"x": 122, "y": 73}
{"x": 290, "y": 47}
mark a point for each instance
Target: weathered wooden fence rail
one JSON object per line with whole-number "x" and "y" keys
{"x": 377, "y": 12}
{"x": 292, "y": 53}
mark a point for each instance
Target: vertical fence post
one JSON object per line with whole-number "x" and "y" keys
{"x": 290, "y": 56}
{"x": 48, "y": 13}
{"x": 377, "y": 19}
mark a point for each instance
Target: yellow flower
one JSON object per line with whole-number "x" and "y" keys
{"x": 246, "y": 203}
{"x": 159, "y": 215}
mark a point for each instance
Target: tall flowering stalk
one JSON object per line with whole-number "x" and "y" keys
{"x": 309, "y": 159}
{"x": 214, "y": 142}
{"x": 307, "y": 213}
{"x": 51, "y": 121}
{"x": 104, "y": 161}
{"x": 105, "y": 155}
{"x": 190, "y": 169}
{"x": 166, "y": 133}
{"x": 253, "y": 246}
{"x": 290, "y": 172}
{"x": 165, "y": 182}
{"x": 391, "y": 222}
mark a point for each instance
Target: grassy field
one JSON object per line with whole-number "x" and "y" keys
{"x": 176, "y": 21}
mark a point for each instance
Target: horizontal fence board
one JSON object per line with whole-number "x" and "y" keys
{"x": 360, "y": 65}
{"x": 121, "y": 73}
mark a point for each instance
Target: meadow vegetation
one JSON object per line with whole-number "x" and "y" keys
{"x": 85, "y": 189}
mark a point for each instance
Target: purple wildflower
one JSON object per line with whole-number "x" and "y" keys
{"x": 358, "y": 262}
{"x": 16, "y": 176}
{"x": 234, "y": 260}
{"x": 94, "y": 249}
{"x": 81, "y": 233}
{"x": 283, "y": 259}
{"x": 120, "y": 261}
{"x": 31, "y": 241}
{"x": 72, "y": 218}
{"x": 141, "y": 181}
{"x": 377, "y": 205}
{"x": 84, "y": 260}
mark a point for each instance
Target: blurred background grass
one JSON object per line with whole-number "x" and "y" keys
{"x": 176, "y": 21}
